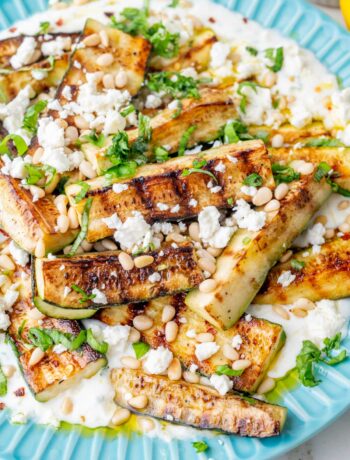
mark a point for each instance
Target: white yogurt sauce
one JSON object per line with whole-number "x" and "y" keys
{"x": 298, "y": 79}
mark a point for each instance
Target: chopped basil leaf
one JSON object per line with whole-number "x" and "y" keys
{"x": 44, "y": 27}
{"x": 3, "y": 383}
{"x": 338, "y": 189}
{"x": 39, "y": 338}
{"x": 173, "y": 83}
{"x": 252, "y": 51}
{"x": 21, "y": 328}
{"x": 254, "y": 180}
{"x": 145, "y": 130}
{"x": 30, "y": 120}
{"x": 173, "y": 3}
{"x": 244, "y": 98}
{"x": 100, "y": 347}
{"x": 185, "y": 139}
{"x": 297, "y": 264}
{"x": 246, "y": 240}
{"x": 323, "y": 170}
{"x": 61, "y": 184}
{"x": 140, "y": 349}
{"x": 282, "y": 173}
{"x": 200, "y": 446}
{"x": 84, "y": 227}
{"x": 161, "y": 154}
{"x": 323, "y": 142}
{"x": 276, "y": 56}
{"x": 197, "y": 168}
{"x": 36, "y": 173}
{"x": 85, "y": 187}
{"x": 127, "y": 111}
{"x": 230, "y": 201}
{"x": 96, "y": 139}
{"x": 84, "y": 295}
{"x": 230, "y": 135}
{"x": 227, "y": 370}
{"x": 18, "y": 142}
{"x": 134, "y": 21}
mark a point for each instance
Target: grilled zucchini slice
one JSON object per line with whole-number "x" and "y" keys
{"x": 291, "y": 135}
{"x": 177, "y": 268}
{"x": 324, "y": 276}
{"x": 26, "y": 222}
{"x": 164, "y": 183}
{"x": 198, "y": 406}
{"x": 55, "y": 372}
{"x": 54, "y": 311}
{"x": 245, "y": 262}
{"x": 261, "y": 339}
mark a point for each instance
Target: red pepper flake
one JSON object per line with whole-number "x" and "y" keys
{"x": 212, "y": 20}
{"x": 346, "y": 237}
{"x": 59, "y": 22}
{"x": 2, "y": 406}
{"x": 12, "y": 29}
{"x": 245, "y": 20}
{"x": 109, "y": 14}
{"x": 20, "y": 392}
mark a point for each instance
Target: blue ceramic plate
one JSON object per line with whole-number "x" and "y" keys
{"x": 310, "y": 409}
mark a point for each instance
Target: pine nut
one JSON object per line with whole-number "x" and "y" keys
{"x": 193, "y": 231}
{"x": 126, "y": 261}
{"x": 104, "y": 38}
{"x": 40, "y": 249}
{"x": 146, "y": 424}
{"x": 142, "y": 322}
{"x": 190, "y": 377}
{"x": 98, "y": 247}
{"x": 280, "y": 311}
{"x": 73, "y": 218}
{"x": 66, "y": 250}
{"x": 329, "y": 233}
{"x": 121, "y": 79}
{"x": 130, "y": 362}
{"x": 35, "y": 314}
{"x": 266, "y": 386}
{"x": 174, "y": 370}
{"x": 86, "y": 168}
{"x": 108, "y": 81}
{"x": 8, "y": 370}
{"x": 176, "y": 237}
{"x": 171, "y": 331}
{"x": 80, "y": 122}
{"x": 281, "y": 191}
{"x": 138, "y": 402}
{"x": 262, "y": 196}
{"x": 105, "y": 60}
{"x": 62, "y": 223}
{"x": 120, "y": 417}
{"x": 86, "y": 246}
{"x": 205, "y": 337}
{"x": 215, "y": 252}
{"x": 208, "y": 285}
{"x": 67, "y": 406}
{"x": 272, "y": 206}
{"x": 207, "y": 265}
{"x": 269, "y": 79}
{"x": 6, "y": 262}
{"x": 37, "y": 191}
{"x": 36, "y": 356}
{"x": 62, "y": 123}
{"x": 71, "y": 134}
{"x": 321, "y": 220}
{"x": 61, "y": 202}
{"x": 109, "y": 244}
{"x": 343, "y": 205}
{"x": 143, "y": 261}
{"x": 241, "y": 364}
{"x": 168, "y": 313}
{"x": 92, "y": 40}
{"x": 277, "y": 141}
{"x": 345, "y": 227}
{"x": 286, "y": 256}
{"x": 300, "y": 313}
{"x": 304, "y": 304}
{"x": 302, "y": 167}
{"x": 203, "y": 253}
{"x": 39, "y": 152}
{"x": 229, "y": 352}
{"x": 134, "y": 335}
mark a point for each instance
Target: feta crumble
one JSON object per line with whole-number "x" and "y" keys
{"x": 221, "y": 383}
{"x": 286, "y": 278}
{"x": 157, "y": 361}
{"x": 206, "y": 350}
{"x": 247, "y": 217}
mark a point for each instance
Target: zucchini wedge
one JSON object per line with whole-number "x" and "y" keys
{"x": 242, "y": 268}
{"x": 26, "y": 222}
{"x": 261, "y": 339}
{"x": 164, "y": 183}
{"x": 55, "y": 372}
{"x": 197, "y": 405}
{"x": 53, "y": 311}
{"x": 177, "y": 269}
{"x": 324, "y": 276}
{"x": 337, "y": 157}
{"x": 207, "y": 114}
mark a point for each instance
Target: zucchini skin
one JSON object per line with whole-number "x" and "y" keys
{"x": 199, "y": 406}
{"x": 261, "y": 339}
{"x": 324, "y": 276}
{"x": 242, "y": 268}
{"x": 103, "y": 271}
{"x": 53, "y": 311}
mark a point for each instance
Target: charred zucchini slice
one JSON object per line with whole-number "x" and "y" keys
{"x": 325, "y": 275}
{"x": 184, "y": 195}
{"x": 246, "y": 261}
{"x": 198, "y": 405}
{"x": 261, "y": 339}
{"x": 177, "y": 269}
{"x": 54, "y": 311}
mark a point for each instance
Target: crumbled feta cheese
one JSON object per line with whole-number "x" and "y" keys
{"x": 312, "y": 236}
{"x": 112, "y": 222}
{"x": 221, "y": 383}
{"x": 248, "y": 317}
{"x": 210, "y": 230}
{"x": 18, "y": 254}
{"x": 56, "y": 47}
{"x": 175, "y": 209}
{"x": 117, "y": 337}
{"x": 237, "y": 341}
{"x": 215, "y": 189}
{"x": 193, "y": 368}
{"x": 191, "y": 333}
{"x": 10, "y": 298}
{"x": 51, "y": 138}
{"x": 232, "y": 159}
{"x": 12, "y": 114}
{"x": 286, "y": 278}
{"x": 67, "y": 92}
{"x": 249, "y": 190}
{"x": 218, "y": 54}
{"x": 162, "y": 206}
{"x": 324, "y": 321}
{"x": 193, "y": 203}
{"x": 113, "y": 123}
{"x": 154, "y": 278}
{"x": 153, "y": 101}
{"x": 24, "y": 54}
{"x": 59, "y": 348}
{"x": 162, "y": 227}
{"x": 220, "y": 167}
{"x": 157, "y": 361}
{"x": 118, "y": 188}
{"x": 132, "y": 231}
{"x": 66, "y": 291}
{"x": 206, "y": 350}
{"x": 100, "y": 297}
{"x": 247, "y": 217}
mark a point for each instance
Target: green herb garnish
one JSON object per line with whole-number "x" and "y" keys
{"x": 35, "y": 173}
{"x": 178, "y": 111}
{"x": 85, "y": 187}
{"x": 197, "y": 168}
{"x": 251, "y": 50}
{"x": 30, "y": 120}
{"x": 297, "y": 264}
{"x": 230, "y": 201}
{"x": 21, "y": 329}
{"x": 200, "y": 446}
{"x": 225, "y": 369}
{"x": 3, "y": 383}
{"x": 185, "y": 140}
{"x": 174, "y": 3}
{"x": 128, "y": 110}
{"x": 84, "y": 227}
{"x": 161, "y": 154}
{"x": 18, "y": 142}
{"x": 44, "y": 27}
{"x": 246, "y": 240}
{"x": 254, "y": 180}
{"x": 84, "y": 295}
{"x": 282, "y": 173}
{"x": 244, "y": 98}
{"x": 276, "y": 56}
{"x": 323, "y": 142}
{"x": 173, "y": 83}
{"x": 96, "y": 139}
{"x": 323, "y": 170}
{"x": 100, "y": 347}
{"x": 140, "y": 349}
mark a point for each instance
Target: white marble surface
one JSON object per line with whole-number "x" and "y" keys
{"x": 334, "y": 442}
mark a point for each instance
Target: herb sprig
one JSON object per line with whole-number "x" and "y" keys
{"x": 173, "y": 83}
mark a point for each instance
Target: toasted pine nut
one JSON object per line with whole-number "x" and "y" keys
{"x": 108, "y": 81}
{"x": 272, "y": 206}
{"x": 190, "y": 377}
{"x": 299, "y": 312}
{"x": 109, "y": 244}
{"x": 205, "y": 337}
{"x": 304, "y": 304}
{"x": 146, "y": 424}
{"x": 321, "y": 220}
{"x": 121, "y": 79}
{"x": 262, "y": 196}
{"x": 39, "y": 152}
{"x": 171, "y": 331}
{"x": 40, "y": 249}
{"x": 193, "y": 231}
{"x": 66, "y": 250}
{"x": 130, "y": 362}
{"x": 86, "y": 168}
{"x": 120, "y": 416}
{"x": 73, "y": 218}
{"x": 105, "y": 60}
{"x": 330, "y": 232}
{"x": 143, "y": 261}
{"x": 176, "y": 237}
{"x": 126, "y": 261}
{"x": 86, "y": 246}
{"x": 241, "y": 364}
{"x": 134, "y": 335}
{"x": 8, "y": 370}
{"x": 277, "y": 141}
{"x": 138, "y": 402}
{"x": 267, "y": 385}
{"x": 203, "y": 253}
{"x": 142, "y": 322}
{"x": 269, "y": 79}
{"x": 80, "y": 122}
{"x": 6, "y": 262}
{"x": 71, "y": 134}
{"x": 345, "y": 227}
{"x": 208, "y": 285}
{"x": 61, "y": 202}
{"x": 281, "y": 311}
{"x": 98, "y": 247}
{"x": 62, "y": 223}
{"x": 67, "y": 406}
{"x": 62, "y": 123}
{"x": 343, "y": 205}
{"x": 302, "y": 167}
{"x": 281, "y": 191}
{"x": 168, "y": 313}
{"x": 229, "y": 352}
{"x": 37, "y": 191}
{"x": 36, "y": 356}
{"x": 286, "y": 256}
{"x": 207, "y": 265}
{"x": 34, "y": 313}
{"x": 92, "y": 40}
{"x": 104, "y": 38}
{"x": 215, "y": 252}
{"x": 174, "y": 370}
